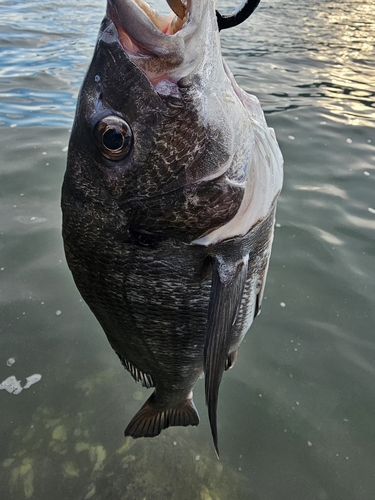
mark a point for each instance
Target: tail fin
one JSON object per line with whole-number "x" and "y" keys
{"x": 151, "y": 419}
{"x": 228, "y": 281}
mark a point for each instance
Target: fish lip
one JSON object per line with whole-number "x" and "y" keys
{"x": 144, "y": 31}
{"x": 172, "y": 55}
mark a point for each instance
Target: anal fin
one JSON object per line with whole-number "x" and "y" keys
{"x": 228, "y": 282}
{"x": 152, "y": 419}
{"x": 136, "y": 373}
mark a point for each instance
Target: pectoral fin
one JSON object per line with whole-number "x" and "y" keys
{"x": 228, "y": 281}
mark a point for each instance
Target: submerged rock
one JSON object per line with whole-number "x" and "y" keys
{"x": 71, "y": 455}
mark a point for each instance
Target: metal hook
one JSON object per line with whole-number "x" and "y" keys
{"x": 238, "y": 16}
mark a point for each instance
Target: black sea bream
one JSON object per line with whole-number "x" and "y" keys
{"x": 169, "y": 204}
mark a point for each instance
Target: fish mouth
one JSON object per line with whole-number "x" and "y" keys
{"x": 143, "y": 30}
{"x": 163, "y": 45}
{"x": 134, "y": 16}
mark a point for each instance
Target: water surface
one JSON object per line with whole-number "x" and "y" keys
{"x": 296, "y": 414}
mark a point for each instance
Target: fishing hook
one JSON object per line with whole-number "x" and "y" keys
{"x": 238, "y": 16}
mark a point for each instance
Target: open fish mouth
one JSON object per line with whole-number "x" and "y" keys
{"x": 130, "y": 11}
{"x": 163, "y": 46}
{"x": 142, "y": 29}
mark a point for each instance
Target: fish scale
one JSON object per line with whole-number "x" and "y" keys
{"x": 171, "y": 159}
{"x": 218, "y": 202}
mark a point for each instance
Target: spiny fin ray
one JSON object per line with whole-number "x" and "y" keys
{"x": 231, "y": 360}
{"x": 137, "y": 374}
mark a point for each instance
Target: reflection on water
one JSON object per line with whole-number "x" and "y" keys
{"x": 324, "y": 52}
{"x": 296, "y": 413}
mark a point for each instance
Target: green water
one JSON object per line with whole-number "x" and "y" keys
{"x": 296, "y": 414}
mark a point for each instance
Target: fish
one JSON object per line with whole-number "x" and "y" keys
{"x": 168, "y": 203}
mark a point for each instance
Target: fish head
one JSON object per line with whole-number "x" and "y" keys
{"x": 161, "y": 129}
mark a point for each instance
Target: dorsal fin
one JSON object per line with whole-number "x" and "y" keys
{"x": 228, "y": 281}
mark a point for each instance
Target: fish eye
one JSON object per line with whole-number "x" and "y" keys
{"x": 113, "y": 137}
